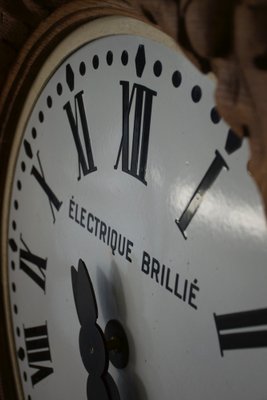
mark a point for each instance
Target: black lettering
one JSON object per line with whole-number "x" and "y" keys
{"x": 83, "y": 213}
{"x": 76, "y": 213}
{"x": 162, "y": 279}
{"x": 71, "y": 209}
{"x": 121, "y": 245}
{"x": 192, "y": 294}
{"x": 167, "y": 280}
{"x": 185, "y": 289}
{"x": 108, "y": 235}
{"x": 176, "y": 287}
{"x": 129, "y": 250}
{"x": 145, "y": 263}
{"x": 113, "y": 242}
{"x": 172, "y": 282}
{"x": 103, "y": 231}
{"x": 97, "y": 220}
{"x": 155, "y": 268}
{"x": 90, "y": 229}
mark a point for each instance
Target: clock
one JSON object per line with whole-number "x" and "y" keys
{"x": 133, "y": 242}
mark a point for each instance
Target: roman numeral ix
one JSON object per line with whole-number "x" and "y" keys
{"x": 80, "y": 132}
{"x": 133, "y": 150}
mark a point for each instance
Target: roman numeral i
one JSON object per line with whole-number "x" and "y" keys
{"x": 209, "y": 178}
{"x": 133, "y": 150}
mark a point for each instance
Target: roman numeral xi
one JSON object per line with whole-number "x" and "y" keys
{"x": 80, "y": 132}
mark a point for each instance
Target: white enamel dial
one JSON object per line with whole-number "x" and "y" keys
{"x": 125, "y": 164}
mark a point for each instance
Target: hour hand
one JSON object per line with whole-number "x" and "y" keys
{"x": 84, "y": 295}
{"x": 92, "y": 344}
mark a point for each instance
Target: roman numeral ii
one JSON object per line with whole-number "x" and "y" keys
{"x": 133, "y": 150}
{"x": 241, "y": 330}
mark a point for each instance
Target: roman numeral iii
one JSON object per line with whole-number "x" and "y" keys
{"x": 133, "y": 150}
{"x": 38, "y": 352}
{"x": 241, "y": 330}
{"x": 80, "y": 132}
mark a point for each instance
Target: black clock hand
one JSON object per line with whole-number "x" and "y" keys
{"x": 109, "y": 388}
{"x": 84, "y": 294}
{"x": 92, "y": 345}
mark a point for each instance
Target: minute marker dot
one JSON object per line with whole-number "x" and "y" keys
{"x": 23, "y": 166}
{"x": 59, "y": 89}
{"x": 176, "y": 79}
{"x": 157, "y": 68}
{"x": 109, "y": 57}
{"x": 21, "y": 353}
{"x": 215, "y": 116}
{"x": 13, "y": 245}
{"x": 41, "y": 116}
{"x": 34, "y": 133}
{"x": 82, "y": 68}
{"x": 49, "y": 101}
{"x": 124, "y": 57}
{"x": 196, "y": 94}
{"x": 95, "y": 62}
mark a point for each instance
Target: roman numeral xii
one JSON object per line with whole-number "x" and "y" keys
{"x": 136, "y": 120}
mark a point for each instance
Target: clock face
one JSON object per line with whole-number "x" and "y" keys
{"x": 130, "y": 205}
